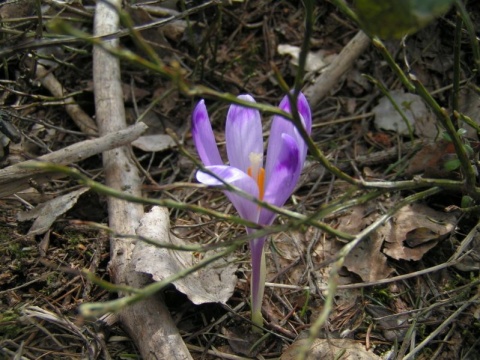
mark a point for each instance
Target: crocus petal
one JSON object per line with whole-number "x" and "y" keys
{"x": 203, "y": 136}
{"x": 233, "y": 176}
{"x": 285, "y": 174}
{"x": 303, "y": 109}
{"x": 281, "y": 126}
{"x": 243, "y": 134}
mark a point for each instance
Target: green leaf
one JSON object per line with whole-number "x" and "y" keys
{"x": 446, "y": 136}
{"x": 467, "y": 202}
{"x": 468, "y": 149}
{"x": 461, "y": 132}
{"x": 451, "y": 165}
{"x": 393, "y": 19}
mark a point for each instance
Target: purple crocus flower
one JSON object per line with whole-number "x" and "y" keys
{"x": 272, "y": 182}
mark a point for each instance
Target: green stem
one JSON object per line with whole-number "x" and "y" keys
{"x": 471, "y": 32}
{"x": 456, "y": 62}
{"x": 260, "y": 231}
{"x": 307, "y": 35}
{"x": 346, "y": 10}
{"x": 393, "y": 64}
{"x": 447, "y": 123}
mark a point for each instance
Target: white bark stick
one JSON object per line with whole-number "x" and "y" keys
{"x": 79, "y": 117}
{"x": 343, "y": 62}
{"x": 149, "y": 323}
{"x": 16, "y": 177}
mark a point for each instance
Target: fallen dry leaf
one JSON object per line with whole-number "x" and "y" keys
{"x": 345, "y": 349}
{"x": 214, "y": 283}
{"x": 288, "y": 248}
{"x": 413, "y": 231}
{"x": 366, "y": 260}
{"x": 46, "y": 213}
{"x": 420, "y": 118}
{"x": 154, "y": 143}
{"x": 410, "y": 222}
{"x": 242, "y": 340}
{"x": 315, "y": 60}
{"x": 16, "y": 9}
{"x": 394, "y": 326}
{"x": 430, "y": 160}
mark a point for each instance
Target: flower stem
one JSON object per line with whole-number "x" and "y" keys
{"x": 257, "y": 282}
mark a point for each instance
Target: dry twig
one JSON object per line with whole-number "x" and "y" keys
{"x": 344, "y": 61}
{"x": 79, "y": 117}
{"x": 18, "y": 177}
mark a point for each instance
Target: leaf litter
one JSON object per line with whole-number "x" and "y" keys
{"x": 46, "y": 213}
{"x": 237, "y": 59}
{"x": 409, "y": 235}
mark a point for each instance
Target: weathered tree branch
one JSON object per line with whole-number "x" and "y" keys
{"x": 79, "y": 117}
{"x": 148, "y": 322}
{"x": 17, "y": 177}
{"x": 344, "y": 61}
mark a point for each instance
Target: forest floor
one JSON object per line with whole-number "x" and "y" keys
{"x": 409, "y": 289}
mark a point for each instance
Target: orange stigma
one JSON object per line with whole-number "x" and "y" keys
{"x": 257, "y": 172}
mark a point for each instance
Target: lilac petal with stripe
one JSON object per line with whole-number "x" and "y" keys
{"x": 303, "y": 109}
{"x": 285, "y": 174}
{"x": 233, "y": 176}
{"x": 281, "y": 126}
{"x": 203, "y": 136}
{"x": 243, "y": 134}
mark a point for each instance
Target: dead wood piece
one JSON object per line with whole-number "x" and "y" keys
{"x": 150, "y": 325}
{"x": 18, "y": 177}
{"x": 148, "y": 322}
{"x": 343, "y": 62}
{"x": 79, "y": 117}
